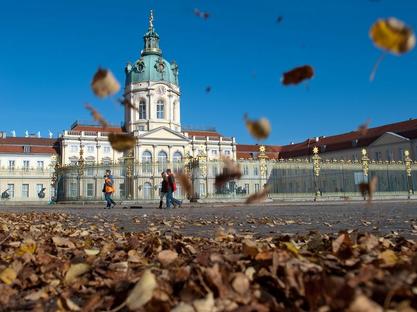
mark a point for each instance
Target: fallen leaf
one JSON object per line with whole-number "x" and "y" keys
{"x": 297, "y": 75}
{"x": 104, "y": 83}
{"x": 183, "y": 307}
{"x": 250, "y": 248}
{"x": 364, "y": 304}
{"x": 75, "y": 271}
{"x": 259, "y": 129}
{"x": 204, "y": 305}
{"x": 166, "y": 257}
{"x": 142, "y": 292}
{"x": 241, "y": 283}
{"x": 91, "y": 252}
{"x": 8, "y": 276}
{"x": 63, "y": 242}
{"x": 28, "y": 246}
{"x": 121, "y": 141}
{"x": 388, "y": 257}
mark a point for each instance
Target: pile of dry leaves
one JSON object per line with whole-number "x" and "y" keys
{"x": 53, "y": 262}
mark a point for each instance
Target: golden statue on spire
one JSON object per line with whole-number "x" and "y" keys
{"x": 151, "y": 20}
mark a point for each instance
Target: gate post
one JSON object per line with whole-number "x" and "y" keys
{"x": 408, "y": 161}
{"x": 316, "y": 170}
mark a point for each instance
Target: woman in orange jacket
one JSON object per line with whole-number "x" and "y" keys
{"x": 108, "y": 189}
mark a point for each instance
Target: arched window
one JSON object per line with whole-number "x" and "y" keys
{"x": 162, "y": 161}
{"x": 142, "y": 109}
{"x": 147, "y": 162}
{"x": 147, "y": 190}
{"x": 177, "y": 157}
{"x": 177, "y": 160}
{"x": 160, "y": 114}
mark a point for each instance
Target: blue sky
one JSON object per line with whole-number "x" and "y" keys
{"x": 50, "y": 50}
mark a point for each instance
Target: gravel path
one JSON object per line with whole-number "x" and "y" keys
{"x": 260, "y": 220}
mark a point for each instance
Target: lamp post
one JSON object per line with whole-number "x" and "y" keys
{"x": 365, "y": 163}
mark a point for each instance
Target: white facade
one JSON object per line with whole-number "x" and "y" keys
{"x": 25, "y": 175}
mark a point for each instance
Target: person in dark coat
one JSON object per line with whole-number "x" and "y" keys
{"x": 171, "y": 189}
{"x": 164, "y": 189}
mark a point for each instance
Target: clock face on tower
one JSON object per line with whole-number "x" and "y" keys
{"x": 160, "y": 90}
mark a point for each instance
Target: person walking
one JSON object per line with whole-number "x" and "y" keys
{"x": 172, "y": 187}
{"x": 108, "y": 189}
{"x": 164, "y": 189}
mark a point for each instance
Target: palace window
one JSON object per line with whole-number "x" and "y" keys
{"x": 177, "y": 159}
{"x": 40, "y": 164}
{"x": 39, "y": 188}
{"x": 147, "y": 162}
{"x": 10, "y": 190}
{"x": 142, "y": 109}
{"x": 26, "y": 165}
{"x": 11, "y": 164}
{"x": 162, "y": 161}
{"x": 90, "y": 148}
{"x": 90, "y": 189}
{"x": 25, "y": 190}
{"x": 255, "y": 171}
{"x": 106, "y": 149}
{"x": 245, "y": 170}
{"x": 160, "y": 109}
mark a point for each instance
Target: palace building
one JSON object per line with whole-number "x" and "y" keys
{"x": 29, "y": 164}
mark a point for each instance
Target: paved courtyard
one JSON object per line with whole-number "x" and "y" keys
{"x": 259, "y": 220}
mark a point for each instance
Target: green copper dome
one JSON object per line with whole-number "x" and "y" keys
{"x": 151, "y": 66}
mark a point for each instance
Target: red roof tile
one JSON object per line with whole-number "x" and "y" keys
{"x": 96, "y": 128}
{"x": 15, "y": 145}
{"x": 204, "y": 133}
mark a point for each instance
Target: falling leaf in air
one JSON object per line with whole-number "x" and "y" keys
{"x": 75, "y": 271}
{"x": 121, "y": 141}
{"x": 259, "y": 129}
{"x": 259, "y": 196}
{"x": 363, "y": 128}
{"x": 185, "y": 182}
{"x": 280, "y": 19}
{"x": 201, "y": 14}
{"x": 142, "y": 292}
{"x": 231, "y": 171}
{"x": 391, "y": 35}
{"x": 97, "y": 116}
{"x": 104, "y": 83}
{"x": 127, "y": 103}
{"x": 368, "y": 189}
{"x": 297, "y": 75}
{"x": 208, "y": 89}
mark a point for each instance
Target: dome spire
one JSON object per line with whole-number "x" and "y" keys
{"x": 151, "y": 21}
{"x": 151, "y": 39}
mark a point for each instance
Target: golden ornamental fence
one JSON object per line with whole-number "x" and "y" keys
{"x": 298, "y": 178}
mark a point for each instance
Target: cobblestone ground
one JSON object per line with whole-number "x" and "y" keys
{"x": 260, "y": 220}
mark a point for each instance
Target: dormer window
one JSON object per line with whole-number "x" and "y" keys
{"x": 26, "y": 149}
